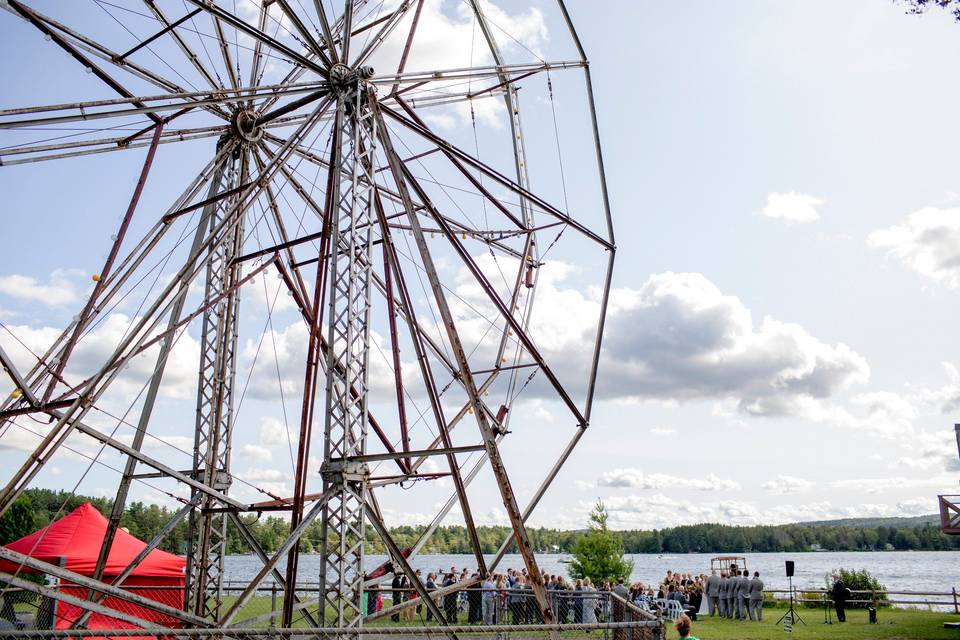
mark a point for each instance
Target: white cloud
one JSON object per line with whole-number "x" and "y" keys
{"x": 676, "y": 338}
{"x": 636, "y": 479}
{"x": 792, "y": 207}
{"x": 273, "y": 433}
{"x": 267, "y": 292}
{"x": 658, "y": 511}
{"x": 918, "y": 506}
{"x": 60, "y": 288}
{"x": 786, "y": 484}
{"x": 660, "y": 431}
{"x": 448, "y": 37}
{"x": 928, "y": 242}
{"x": 95, "y": 348}
{"x": 264, "y": 475}
{"x": 271, "y": 481}
{"x": 882, "y": 485}
{"x": 679, "y": 337}
{"x": 538, "y": 408}
{"x": 256, "y": 452}
{"x": 279, "y": 357}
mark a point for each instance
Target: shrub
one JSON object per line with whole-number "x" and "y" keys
{"x": 860, "y": 581}
{"x": 812, "y": 599}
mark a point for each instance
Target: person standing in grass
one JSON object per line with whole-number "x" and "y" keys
{"x": 488, "y": 599}
{"x": 840, "y": 593}
{"x": 589, "y": 602}
{"x": 395, "y": 595}
{"x": 712, "y": 593}
{"x": 756, "y": 598}
{"x": 450, "y": 599}
{"x": 431, "y": 586}
{"x": 682, "y": 626}
{"x": 722, "y": 593}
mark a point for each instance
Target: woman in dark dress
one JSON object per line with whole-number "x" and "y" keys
{"x": 474, "y": 604}
{"x": 395, "y": 594}
{"x": 450, "y": 600}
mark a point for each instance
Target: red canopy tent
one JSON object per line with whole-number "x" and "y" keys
{"x": 74, "y": 543}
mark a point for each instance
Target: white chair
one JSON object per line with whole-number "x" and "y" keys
{"x": 674, "y": 610}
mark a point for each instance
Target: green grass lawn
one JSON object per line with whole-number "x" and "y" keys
{"x": 898, "y": 624}
{"x": 893, "y": 624}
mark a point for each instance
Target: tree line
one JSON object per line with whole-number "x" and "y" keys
{"x": 36, "y": 508}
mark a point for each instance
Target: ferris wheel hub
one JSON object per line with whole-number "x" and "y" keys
{"x": 344, "y": 80}
{"x": 245, "y": 126}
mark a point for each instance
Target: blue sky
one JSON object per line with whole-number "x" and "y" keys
{"x": 781, "y": 331}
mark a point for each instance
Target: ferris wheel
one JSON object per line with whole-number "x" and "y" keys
{"x": 347, "y": 222}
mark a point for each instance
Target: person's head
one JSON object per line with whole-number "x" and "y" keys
{"x": 620, "y": 580}
{"x": 683, "y": 625}
{"x": 723, "y": 574}
{"x": 418, "y": 572}
{"x": 744, "y": 573}
{"x": 756, "y": 574}
{"x": 671, "y": 588}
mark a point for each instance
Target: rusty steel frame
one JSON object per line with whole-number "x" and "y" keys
{"x": 363, "y": 170}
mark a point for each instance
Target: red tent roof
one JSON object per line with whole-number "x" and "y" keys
{"x": 77, "y": 537}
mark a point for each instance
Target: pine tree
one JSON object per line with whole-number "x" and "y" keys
{"x": 598, "y": 554}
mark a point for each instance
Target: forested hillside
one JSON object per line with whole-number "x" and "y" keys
{"x": 38, "y": 507}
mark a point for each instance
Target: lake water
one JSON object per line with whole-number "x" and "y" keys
{"x": 935, "y": 571}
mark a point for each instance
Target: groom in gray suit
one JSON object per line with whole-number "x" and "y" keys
{"x": 756, "y": 597}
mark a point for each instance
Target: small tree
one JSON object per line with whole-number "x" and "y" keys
{"x": 18, "y": 521}
{"x": 598, "y": 554}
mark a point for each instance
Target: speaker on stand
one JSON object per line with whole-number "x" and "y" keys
{"x": 791, "y": 615}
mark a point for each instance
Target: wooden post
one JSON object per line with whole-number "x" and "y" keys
{"x": 273, "y": 604}
{"x": 956, "y": 605}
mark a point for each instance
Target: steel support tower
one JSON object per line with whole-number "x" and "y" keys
{"x": 207, "y": 531}
{"x": 348, "y": 326}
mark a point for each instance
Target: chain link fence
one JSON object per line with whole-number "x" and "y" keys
{"x": 258, "y": 614}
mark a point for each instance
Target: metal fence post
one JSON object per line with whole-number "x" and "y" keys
{"x": 273, "y": 604}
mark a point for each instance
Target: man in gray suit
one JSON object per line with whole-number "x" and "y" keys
{"x": 732, "y": 586}
{"x": 712, "y": 591}
{"x": 743, "y": 601}
{"x": 737, "y": 607}
{"x": 722, "y": 593}
{"x": 756, "y": 597}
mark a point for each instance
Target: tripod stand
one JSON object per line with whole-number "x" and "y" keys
{"x": 827, "y": 616}
{"x": 794, "y": 617}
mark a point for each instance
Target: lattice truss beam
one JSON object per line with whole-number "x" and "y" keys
{"x": 407, "y": 253}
